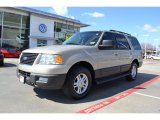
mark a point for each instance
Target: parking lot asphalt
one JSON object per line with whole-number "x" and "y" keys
{"x": 16, "y": 97}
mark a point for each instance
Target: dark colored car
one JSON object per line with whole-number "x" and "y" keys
{"x": 10, "y": 52}
{"x": 1, "y": 58}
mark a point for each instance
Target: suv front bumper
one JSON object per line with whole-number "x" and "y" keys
{"x": 43, "y": 81}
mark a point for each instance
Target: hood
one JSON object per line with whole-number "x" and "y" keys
{"x": 56, "y": 49}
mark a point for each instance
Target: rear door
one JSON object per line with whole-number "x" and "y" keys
{"x": 124, "y": 52}
{"x": 137, "y": 51}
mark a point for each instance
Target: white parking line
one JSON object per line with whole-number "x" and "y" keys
{"x": 147, "y": 95}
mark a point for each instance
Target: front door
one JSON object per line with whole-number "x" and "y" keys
{"x": 108, "y": 57}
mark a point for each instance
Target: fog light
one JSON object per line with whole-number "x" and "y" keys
{"x": 42, "y": 80}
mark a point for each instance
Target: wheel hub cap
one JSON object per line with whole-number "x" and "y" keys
{"x": 81, "y": 83}
{"x": 134, "y": 71}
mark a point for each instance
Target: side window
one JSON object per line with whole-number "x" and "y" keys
{"x": 122, "y": 42}
{"x": 135, "y": 43}
{"x": 109, "y": 36}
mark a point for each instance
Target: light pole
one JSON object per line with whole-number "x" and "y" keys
{"x": 157, "y": 46}
{"x": 145, "y": 46}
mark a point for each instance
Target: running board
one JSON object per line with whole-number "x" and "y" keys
{"x": 107, "y": 79}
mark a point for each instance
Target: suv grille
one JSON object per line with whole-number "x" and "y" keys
{"x": 28, "y": 58}
{"x": 25, "y": 74}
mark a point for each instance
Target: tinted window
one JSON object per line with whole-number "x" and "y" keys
{"x": 135, "y": 43}
{"x": 109, "y": 36}
{"x": 122, "y": 42}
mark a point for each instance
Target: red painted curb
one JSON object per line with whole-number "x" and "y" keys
{"x": 116, "y": 97}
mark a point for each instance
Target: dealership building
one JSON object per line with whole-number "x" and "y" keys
{"x": 24, "y": 28}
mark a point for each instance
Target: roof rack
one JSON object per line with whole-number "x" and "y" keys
{"x": 120, "y": 32}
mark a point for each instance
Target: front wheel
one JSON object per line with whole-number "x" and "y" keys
{"x": 78, "y": 82}
{"x": 133, "y": 72}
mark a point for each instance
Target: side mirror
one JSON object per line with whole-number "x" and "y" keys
{"x": 106, "y": 44}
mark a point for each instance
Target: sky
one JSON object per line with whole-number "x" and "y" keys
{"x": 142, "y": 22}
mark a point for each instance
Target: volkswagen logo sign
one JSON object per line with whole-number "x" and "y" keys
{"x": 42, "y": 28}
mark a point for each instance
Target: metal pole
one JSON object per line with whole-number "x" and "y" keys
{"x": 156, "y": 46}
{"x": 145, "y": 50}
{"x": 2, "y": 29}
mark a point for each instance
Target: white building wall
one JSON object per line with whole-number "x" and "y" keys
{"x": 35, "y": 33}
{"x": 32, "y": 43}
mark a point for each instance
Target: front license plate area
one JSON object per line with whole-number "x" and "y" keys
{"x": 21, "y": 79}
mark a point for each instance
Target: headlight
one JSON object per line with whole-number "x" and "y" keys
{"x": 48, "y": 59}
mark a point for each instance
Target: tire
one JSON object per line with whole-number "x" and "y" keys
{"x": 133, "y": 72}
{"x": 78, "y": 82}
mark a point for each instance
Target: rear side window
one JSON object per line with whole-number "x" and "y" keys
{"x": 135, "y": 43}
{"x": 122, "y": 42}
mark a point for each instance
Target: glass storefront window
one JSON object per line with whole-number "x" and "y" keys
{"x": 60, "y": 35}
{"x": 10, "y": 33}
{"x": 76, "y": 29}
{"x": 10, "y": 37}
{"x": 14, "y": 31}
{"x": 23, "y": 39}
{"x": 41, "y": 43}
{"x": 24, "y": 34}
{"x": 59, "y": 25}
{"x": 10, "y": 44}
{"x": 0, "y": 31}
{"x": 0, "y": 18}
{"x": 63, "y": 31}
{"x": 64, "y": 26}
{"x": 15, "y": 38}
{"x": 70, "y": 27}
{"x": 11, "y": 19}
{"x": 25, "y": 22}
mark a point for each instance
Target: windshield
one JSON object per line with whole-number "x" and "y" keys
{"x": 83, "y": 38}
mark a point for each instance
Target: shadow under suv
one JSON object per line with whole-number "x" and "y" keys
{"x": 87, "y": 57}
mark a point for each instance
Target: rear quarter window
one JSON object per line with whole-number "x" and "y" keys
{"x": 134, "y": 43}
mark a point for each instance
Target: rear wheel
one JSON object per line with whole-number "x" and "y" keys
{"x": 133, "y": 72}
{"x": 78, "y": 82}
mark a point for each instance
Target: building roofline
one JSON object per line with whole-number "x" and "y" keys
{"x": 31, "y": 10}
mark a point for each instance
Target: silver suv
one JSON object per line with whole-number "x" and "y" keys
{"x": 87, "y": 57}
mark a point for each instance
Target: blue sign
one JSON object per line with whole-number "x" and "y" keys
{"x": 42, "y": 28}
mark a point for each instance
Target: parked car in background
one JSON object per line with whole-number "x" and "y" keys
{"x": 1, "y": 58}
{"x": 10, "y": 52}
{"x": 148, "y": 56}
{"x": 155, "y": 57}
